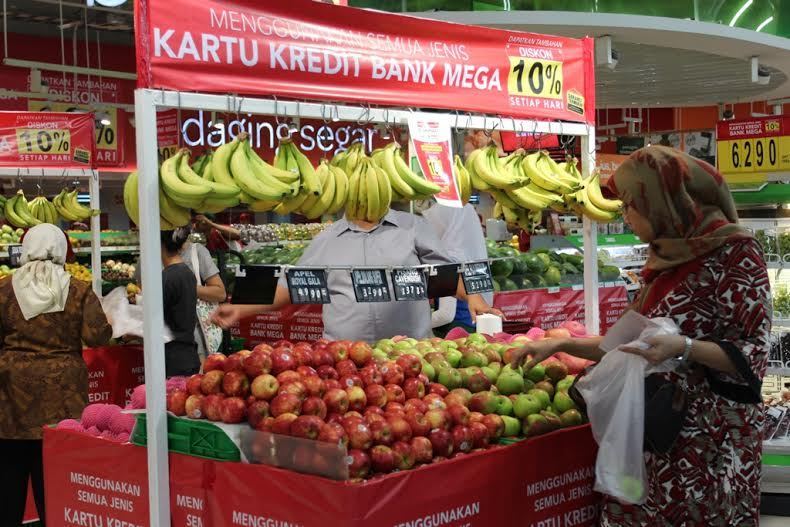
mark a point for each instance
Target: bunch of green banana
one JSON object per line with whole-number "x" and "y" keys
{"x": 589, "y": 201}
{"x": 462, "y": 179}
{"x": 258, "y": 180}
{"x": 334, "y": 183}
{"x": 17, "y": 212}
{"x": 171, "y": 215}
{"x": 296, "y": 163}
{"x": 2, "y": 207}
{"x": 349, "y": 159}
{"x": 369, "y": 192}
{"x": 69, "y": 209}
{"x": 43, "y": 210}
{"x": 487, "y": 171}
{"x": 405, "y": 183}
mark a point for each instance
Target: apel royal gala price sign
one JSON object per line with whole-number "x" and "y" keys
{"x": 306, "y": 49}
{"x": 431, "y": 140}
{"x": 749, "y": 148}
{"x": 46, "y": 140}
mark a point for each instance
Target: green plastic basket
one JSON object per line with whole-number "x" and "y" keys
{"x": 194, "y": 438}
{"x": 510, "y": 440}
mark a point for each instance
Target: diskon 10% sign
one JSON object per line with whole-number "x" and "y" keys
{"x": 38, "y": 139}
{"x": 755, "y": 145}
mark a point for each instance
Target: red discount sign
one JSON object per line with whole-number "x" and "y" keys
{"x": 305, "y": 49}
{"x": 295, "y": 323}
{"x": 46, "y": 140}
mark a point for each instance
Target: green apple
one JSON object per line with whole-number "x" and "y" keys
{"x": 526, "y": 405}
{"x": 547, "y": 387}
{"x": 528, "y": 385}
{"x": 510, "y": 382}
{"x": 571, "y": 418}
{"x": 453, "y": 356}
{"x": 379, "y": 355}
{"x": 565, "y": 384}
{"x": 535, "y": 424}
{"x": 477, "y": 338}
{"x": 537, "y": 373}
{"x": 473, "y": 358}
{"x": 385, "y": 344}
{"x": 450, "y": 378}
{"x": 563, "y": 402}
{"x": 504, "y": 405}
{"x": 490, "y": 372}
{"x": 496, "y": 366}
{"x": 403, "y": 345}
{"x": 512, "y": 426}
{"x": 428, "y": 370}
{"x": 542, "y": 396}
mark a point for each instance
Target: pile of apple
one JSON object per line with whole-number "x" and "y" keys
{"x": 394, "y": 406}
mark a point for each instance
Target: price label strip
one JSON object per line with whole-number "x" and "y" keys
{"x": 477, "y": 278}
{"x": 14, "y": 255}
{"x": 307, "y": 286}
{"x": 409, "y": 284}
{"x": 370, "y": 285}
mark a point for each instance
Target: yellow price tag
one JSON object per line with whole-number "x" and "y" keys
{"x": 749, "y": 155}
{"x": 535, "y": 78}
{"x": 168, "y": 151}
{"x": 43, "y": 141}
{"x": 107, "y": 134}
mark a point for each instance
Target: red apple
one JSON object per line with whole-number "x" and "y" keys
{"x": 351, "y": 380}
{"x": 345, "y": 368}
{"x": 372, "y": 417}
{"x": 357, "y": 400}
{"x": 410, "y": 364}
{"x": 193, "y": 384}
{"x": 234, "y": 362}
{"x": 401, "y": 431}
{"x": 257, "y": 412}
{"x": 334, "y": 418}
{"x": 214, "y": 362}
{"x": 211, "y": 406}
{"x": 235, "y": 384}
{"x": 475, "y": 417}
{"x": 438, "y": 419}
{"x": 495, "y": 426}
{"x": 285, "y": 403}
{"x": 359, "y": 435}
{"x": 326, "y": 371}
{"x": 264, "y": 387}
{"x": 194, "y": 407}
{"x": 373, "y": 410}
{"x": 370, "y": 375}
{"x": 233, "y": 410}
{"x": 422, "y": 449}
{"x": 262, "y": 348}
{"x": 333, "y": 384}
{"x": 333, "y": 433}
{"x": 297, "y": 388}
{"x": 434, "y": 401}
{"x": 413, "y": 388}
{"x": 441, "y": 441}
{"x": 307, "y": 426}
{"x": 454, "y": 398}
{"x": 306, "y": 371}
{"x": 394, "y": 407}
{"x": 258, "y": 363}
{"x": 382, "y": 432}
{"x": 360, "y": 353}
{"x": 315, "y": 385}
{"x": 358, "y": 463}
{"x": 288, "y": 376}
{"x": 383, "y": 459}
{"x": 480, "y": 437}
{"x": 302, "y": 357}
{"x": 282, "y": 424}
{"x": 314, "y": 406}
{"x": 212, "y": 382}
{"x": 395, "y": 394}
{"x": 282, "y": 360}
{"x": 463, "y": 440}
{"x": 321, "y": 357}
{"x": 459, "y": 414}
{"x": 336, "y": 401}
{"x": 283, "y": 343}
{"x": 352, "y": 415}
{"x": 265, "y": 424}
{"x": 484, "y": 402}
{"x": 438, "y": 389}
{"x": 177, "y": 402}
{"x": 424, "y": 379}
{"x": 338, "y": 349}
{"x": 376, "y": 395}
{"x": 417, "y": 405}
{"x": 392, "y": 373}
{"x": 405, "y": 454}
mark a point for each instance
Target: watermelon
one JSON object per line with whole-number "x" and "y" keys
{"x": 525, "y": 283}
{"x": 609, "y": 273}
{"x": 545, "y": 258}
{"x": 502, "y": 268}
{"x": 520, "y": 267}
{"x": 497, "y": 287}
{"x": 509, "y": 285}
{"x": 569, "y": 268}
{"x": 534, "y": 264}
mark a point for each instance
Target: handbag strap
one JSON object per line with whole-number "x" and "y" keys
{"x": 749, "y": 394}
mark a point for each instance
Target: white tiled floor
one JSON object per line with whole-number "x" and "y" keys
{"x": 775, "y": 521}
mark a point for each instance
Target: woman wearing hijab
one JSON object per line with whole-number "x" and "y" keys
{"x": 707, "y": 274}
{"x": 44, "y": 319}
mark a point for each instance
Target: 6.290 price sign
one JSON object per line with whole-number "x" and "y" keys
{"x": 753, "y": 145}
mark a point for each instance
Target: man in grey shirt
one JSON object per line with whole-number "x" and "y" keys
{"x": 399, "y": 239}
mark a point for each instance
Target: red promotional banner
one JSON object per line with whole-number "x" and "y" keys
{"x": 113, "y": 372}
{"x": 295, "y": 323}
{"x": 546, "y": 309}
{"x": 46, "y": 140}
{"x": 305, "y": 49}
{"x": 432, "y": 141}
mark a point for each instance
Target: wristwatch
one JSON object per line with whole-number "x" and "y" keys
{"x": 687, "y": 350}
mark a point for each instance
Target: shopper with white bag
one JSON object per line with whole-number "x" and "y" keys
{"x": 702, "y": 416}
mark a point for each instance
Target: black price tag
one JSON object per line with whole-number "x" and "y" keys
{"x": 307, "y": 286}
{"x": 409, "y": 284}
{"x": 14, "y": 255}
{"x": 477, "y": 278}
{"x": 370, "y": 285}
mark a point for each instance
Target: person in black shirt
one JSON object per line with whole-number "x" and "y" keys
{"x": 179, "y": 296}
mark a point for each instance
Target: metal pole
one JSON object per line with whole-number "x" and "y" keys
{"x": 591, "y": 306}
{"x": 93, "y": 189}
{"x": 153, "y": 322}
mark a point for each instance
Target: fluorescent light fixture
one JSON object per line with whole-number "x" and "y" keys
{"x": 764, "y": 23}
{"x": 740, "y": 12}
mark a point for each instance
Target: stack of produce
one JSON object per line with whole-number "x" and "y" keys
{"x": 275, "y": 232}
{"x": 79, "y": 271}
{"x": 395, "y": 406}
{"x": 23, "y": 214}
{"x": 523, "y": 185}
{"x": 117, "y": 271}
{"x": 5, "y": 271}
{"x": 276, "y": 255}
{"x": 102, "y": 420}
{"x": 10, "y": 236}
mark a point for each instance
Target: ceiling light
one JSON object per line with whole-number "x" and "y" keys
{"x": 740, "y": 11}
{"x": 764, "y": 23}
{"x": 104, "y": 118}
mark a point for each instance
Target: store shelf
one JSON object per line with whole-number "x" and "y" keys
{"x": 610, "y": 240}
{"x": 629, "y": 263}
{"x": 110, "y": 250}
{"x": 785, "y": 372}
{"x": 4, "y": 251}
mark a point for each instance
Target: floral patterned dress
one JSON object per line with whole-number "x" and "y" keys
{"x": 711, "y": 477}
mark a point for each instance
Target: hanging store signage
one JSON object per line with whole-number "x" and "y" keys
{"x": 749, "y": 148}
{"x": 307, "y": 286}
{"x": 409, "y": 284}
{"x": 46, "y": 140}
{"x": 431, "y": 139}
{"x": 370, "y": 285}
{"x": 305, "y": 49}
{"x": 477, "y": 278}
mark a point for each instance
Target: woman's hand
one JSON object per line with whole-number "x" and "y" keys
{"x": 662, "y": 347}
{"x": 226, "y": 315}
{"x": 539, "y": 350}
{"x": 478, "y": 306}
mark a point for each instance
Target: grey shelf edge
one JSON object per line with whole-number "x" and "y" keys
{"x": 778, "y": 371}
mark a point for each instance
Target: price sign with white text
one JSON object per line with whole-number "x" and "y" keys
{"x": 409, "y": 284}
{"x": 46, "y": 140}
{"x": 307, "y": 286}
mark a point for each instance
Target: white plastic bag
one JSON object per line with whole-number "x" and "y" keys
{"x": 614, "y": 392}
{"x": 126, "y": 318}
